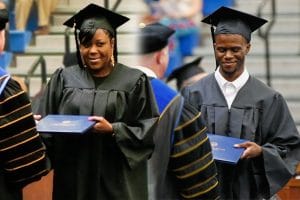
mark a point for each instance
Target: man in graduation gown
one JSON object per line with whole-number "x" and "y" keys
{"x": 180, "y": 139}
{"x": 22, "y": 153}
{"x": 234, "y": 103}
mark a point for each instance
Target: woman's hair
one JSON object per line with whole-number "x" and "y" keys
{"x": 87, "y": 34}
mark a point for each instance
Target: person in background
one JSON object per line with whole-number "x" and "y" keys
{"x": 181, "y": 166}
{"x": 209, "y": 6}
{"x": 110, "y": 160}
{"x": 22, "y": 153}
{"x": 44, "y": 9}
{"x": 187, "y": 74}
{"x": 182, "y": 16}
{"x": 152, "y": 4}
{"x": 3, "y": 5}
{"x": 236, "y": 104}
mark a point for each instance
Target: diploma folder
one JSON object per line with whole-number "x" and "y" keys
{"x": 223, "y": 148}
{"x": 69, "y": 124}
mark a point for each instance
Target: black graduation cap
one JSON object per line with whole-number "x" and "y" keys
{"x": 3, "y": 18}
{"x": 230, "y": 21}
{"x": 105, "y": 18}
{"x": 186, "y": 71}
{"x": 153, "y": 37}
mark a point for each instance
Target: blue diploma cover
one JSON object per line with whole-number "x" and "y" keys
{"x": 223, "y": 148}
{"x": 71, "y": 124}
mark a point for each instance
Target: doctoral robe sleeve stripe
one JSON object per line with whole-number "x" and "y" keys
{"x": 189, "y": 146}
{"x": 202, "y": 183}
{"x": 195, "y": 135}
{"x": 187, "y": 123}
{"x": 18, "y": 142}
{"x": 17, "y": 122}
{"x": 207, "y": 192}
{"x": 21, "y": 149}
{"x": 196, "y": 168}
{"x": 13, "y": 97}
{"x": 11, "y": 118}
{"x": 201, "y": 190}
{"x": 29, "y": 171}
{"x": 22, "y": 152}
{"x": 16, "y": 102}
{"x": 191, "y": 159}
{"x": 204, "y": 159}
{"x": 27, "y": 106}
{"x": 202, "y": 165}
{"x": 17, "y": 135}
{"x": 22, "y": 158}
{"x": 34, "y": 158}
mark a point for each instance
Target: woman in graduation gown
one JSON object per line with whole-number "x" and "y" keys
{"x": 108, "y": 162}
{"x": 255, "y": 112}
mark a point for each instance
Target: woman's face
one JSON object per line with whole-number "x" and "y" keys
{"x": 231, "y": 50}
{"x": 97, "y": 53}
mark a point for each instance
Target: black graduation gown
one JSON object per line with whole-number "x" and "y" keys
{"x": 160, "y": 180}
{"x": 95, "y": 166}
{"x": 181, "y": 166}
{"x": 22, "y": 153}
{"x": 258, "y": 114}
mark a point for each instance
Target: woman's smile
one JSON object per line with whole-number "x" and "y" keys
{"x": 93, "y": 60}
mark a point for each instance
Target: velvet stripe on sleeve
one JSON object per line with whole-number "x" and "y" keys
{"x": 191, "y": 159}
{"x": 22, "y": 152}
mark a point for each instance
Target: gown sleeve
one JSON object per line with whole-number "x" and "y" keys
{"x": 191, "y": 160}
{"x": 281, "y": 145}
{"x": 22, "y": 152}
{"x": 135, "y": 137}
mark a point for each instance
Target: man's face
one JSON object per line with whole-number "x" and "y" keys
{"x": 231, "y": 50}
